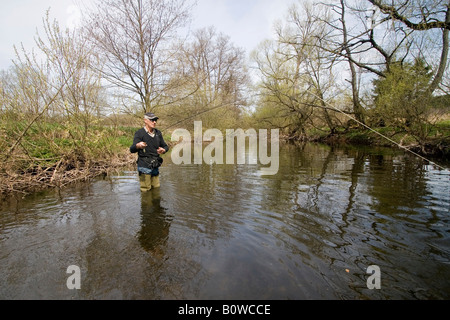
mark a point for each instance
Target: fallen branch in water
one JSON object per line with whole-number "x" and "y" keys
{"x": 65, "y": 172}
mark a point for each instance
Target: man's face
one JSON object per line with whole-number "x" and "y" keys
{"x": 150, "y": 123}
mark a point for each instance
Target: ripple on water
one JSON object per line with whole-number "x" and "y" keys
{"x": 226, "y": 232}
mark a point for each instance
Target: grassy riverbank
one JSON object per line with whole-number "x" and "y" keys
{"x": 49, "y": 154}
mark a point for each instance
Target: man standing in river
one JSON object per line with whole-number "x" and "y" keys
{"x": 149, "y": 144}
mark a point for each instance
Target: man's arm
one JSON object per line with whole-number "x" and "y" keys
{"x": 137, "y": 143}
{"x": 163, "y": 144}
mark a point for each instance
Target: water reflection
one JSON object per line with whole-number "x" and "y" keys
{"x": 155, "y": 223}
{"x": 226, "y": 232}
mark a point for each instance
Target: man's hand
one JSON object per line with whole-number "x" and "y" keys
{"x": 141, "y": 145}
{"x": 161, "y": 151}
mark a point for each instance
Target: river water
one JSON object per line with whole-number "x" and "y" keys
{"x": 226, "y": 232}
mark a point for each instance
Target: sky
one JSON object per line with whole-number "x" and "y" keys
{"x": 246, "y": 22}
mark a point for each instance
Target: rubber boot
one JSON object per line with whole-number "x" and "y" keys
{"x": 146, "y": 182}
{"x": 155, "y": 182}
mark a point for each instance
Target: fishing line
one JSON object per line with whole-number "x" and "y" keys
{"x": 196, "y": 115}
{"x": 378, "y": 133}
{"x": 333, "y": 109}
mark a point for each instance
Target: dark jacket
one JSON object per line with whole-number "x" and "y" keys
{"x": 145, "y": 157}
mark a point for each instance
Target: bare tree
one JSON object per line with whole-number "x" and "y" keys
{"x": 59, "y": 84}
{"x": 309, "y": 35}
{"x": 214, "y": 75}
{"x": 296, "y": 74}
{"x": 68, "y": 58}
{"x": 282, "y": 87}
{"x": 357, "y": 107}
{"x": 132, "y": 37}
{"x": 28, "y": 84}
{"x": 422, "y": 15}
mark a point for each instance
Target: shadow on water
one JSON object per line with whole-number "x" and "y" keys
{"x": 154, "y": 233}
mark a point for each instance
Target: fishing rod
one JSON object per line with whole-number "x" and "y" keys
{"x": 375, "y": 131}
{"x": 330, "y": 107}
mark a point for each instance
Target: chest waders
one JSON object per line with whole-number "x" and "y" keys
{"x": 149, "y": 178}
{"x": 148, "y": 182}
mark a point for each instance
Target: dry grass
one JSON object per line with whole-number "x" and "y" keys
{"x": 68, "y": 170}
{"x": 23, "y": 173}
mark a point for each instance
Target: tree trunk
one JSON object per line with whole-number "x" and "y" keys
{"x": 444, "y": 56}
{"x": 357, "y": 107}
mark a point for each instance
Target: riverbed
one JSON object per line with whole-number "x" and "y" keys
{"x": 312, "y": 231}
